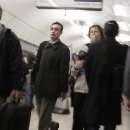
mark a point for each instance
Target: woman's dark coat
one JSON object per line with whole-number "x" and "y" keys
{"x": 103, "y": 105}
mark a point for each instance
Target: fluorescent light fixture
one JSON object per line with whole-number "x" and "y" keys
{"x": 86, "y": 37}
{"x": 123, "y": 26}
{"x": 77, "y": 25}
{"x": 72, "y": 22}
{"x": 124, "y": 37}
{"x": 52, "y": 2}
{"x": 119, "y": 11}
{"x": 89, "y": 24}
{"x": 118, "y": 38}
{"x": 85, "y": 29}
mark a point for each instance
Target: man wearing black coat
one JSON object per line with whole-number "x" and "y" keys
{"x": 51, "y": 72}
{"x": 11, "y": 71}
{"x": 127, "y": 81}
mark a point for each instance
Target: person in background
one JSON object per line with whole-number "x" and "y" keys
{"x": 51, "y": 70}
{"x": 81, "y": 89}
{"x": 11, "y": 69}
{"x": 71, "y": 82}
{"x": 103, "y": 103}
{"x": 27, "y": 88}
{"x": 126, "y": 87}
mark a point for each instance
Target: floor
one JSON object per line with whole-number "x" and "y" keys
{"x": 65, "y": 120}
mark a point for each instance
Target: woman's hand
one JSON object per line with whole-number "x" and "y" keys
{"x": 79, "y": 64}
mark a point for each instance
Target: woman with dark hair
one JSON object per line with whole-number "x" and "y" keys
{"x": 103, "y": 104}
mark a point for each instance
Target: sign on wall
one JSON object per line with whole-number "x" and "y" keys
{"x": 70, "y": 4}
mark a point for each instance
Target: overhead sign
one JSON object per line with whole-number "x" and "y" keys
{"x": 70, "y": 4}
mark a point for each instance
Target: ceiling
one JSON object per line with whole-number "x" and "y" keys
{"x": 33, "y": 25}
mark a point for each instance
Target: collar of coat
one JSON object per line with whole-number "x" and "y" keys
{"x": 2, "y": 32}
{"x": 54, "y": 46}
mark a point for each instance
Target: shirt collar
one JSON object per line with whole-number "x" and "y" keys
{"x": 54, "y": 45}
{"x": 53, "y": 42}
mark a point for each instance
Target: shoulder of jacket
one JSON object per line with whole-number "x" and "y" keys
{"x": 43, "y": 43}
{"x": 64, "y": 46}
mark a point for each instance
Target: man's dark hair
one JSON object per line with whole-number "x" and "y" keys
{"x": 59, "y": 24}
{"x": 111, "y": 29}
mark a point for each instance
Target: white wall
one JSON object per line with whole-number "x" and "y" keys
{"x": 28, "y": 47}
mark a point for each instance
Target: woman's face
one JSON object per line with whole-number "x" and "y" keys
{"x": 94, "y": 34}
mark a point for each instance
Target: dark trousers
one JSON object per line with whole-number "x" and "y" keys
{"x": 106, "y": 127}
{"x": 78, "y": 106}
{"x": 45, "y": 108}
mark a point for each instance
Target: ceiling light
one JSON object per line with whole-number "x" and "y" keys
{"x": 86, "y": 37}
{"x": 119, "y": 11}
{"x": 123, "y": 26}
{"x": 72, "y": 22}
{"x": 52, "y": 2}
{"x": 118, "y": 38}
{"x": 124, "y": 37}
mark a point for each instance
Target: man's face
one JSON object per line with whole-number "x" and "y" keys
{"x": 55, "y": 32}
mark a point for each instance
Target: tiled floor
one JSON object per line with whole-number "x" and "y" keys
{"x": 65, "y": 120}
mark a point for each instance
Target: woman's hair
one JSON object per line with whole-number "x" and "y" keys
{"x": 104, "y": 59}
{"x": 100, "y": 29}
{"x": 111, "y": 29}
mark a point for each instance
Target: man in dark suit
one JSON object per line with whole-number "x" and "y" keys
{"x": 11, "y": 70}
{"x": 127, "y": 81}
{"x": 51, "y": 71}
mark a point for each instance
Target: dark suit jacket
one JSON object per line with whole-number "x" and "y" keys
{"x": 53, "y": 68}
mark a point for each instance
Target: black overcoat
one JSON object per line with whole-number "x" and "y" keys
{"x": 53, "y": 70}
{"x": 103, "y": 104}
{"x": 11, "y": 67}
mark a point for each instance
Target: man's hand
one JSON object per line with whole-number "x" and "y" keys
{"x": 63, "y": 95}
{"x": 16, "y": 94}
{"x": 93, "y": 39}
{"x": 79, "y": 64}
{"x": 127, "y": 104}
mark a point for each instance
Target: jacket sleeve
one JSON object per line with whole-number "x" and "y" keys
{"x": 36, "y": 64}
{"x": 64, "y": 70}
{"x": 15, "y": 66}
{"x": 127, "y": 76}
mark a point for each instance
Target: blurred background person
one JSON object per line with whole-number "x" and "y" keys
{"x": 28, "y": 89}
{"x": 127, "y": 81}
{"x": 71, "y": 82}
{"x": 103, "y": 103}
{"x": 80, "y": 87}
